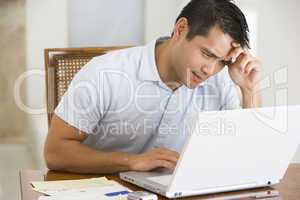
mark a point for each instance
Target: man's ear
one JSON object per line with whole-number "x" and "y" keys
{"x": 180, "y": 29}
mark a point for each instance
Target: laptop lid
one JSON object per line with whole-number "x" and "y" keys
{"x": 237, "y": 149}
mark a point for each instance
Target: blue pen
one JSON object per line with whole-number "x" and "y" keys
{"x": 112, "y": 194}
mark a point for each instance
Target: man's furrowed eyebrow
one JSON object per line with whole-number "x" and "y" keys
{"x": 210, "y": 53}
{"x": 207, "y": 51}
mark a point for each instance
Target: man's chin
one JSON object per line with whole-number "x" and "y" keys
{"x": 193, "y": 85}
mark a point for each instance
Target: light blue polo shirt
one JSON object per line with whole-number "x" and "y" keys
{"x": 120, "y": 101}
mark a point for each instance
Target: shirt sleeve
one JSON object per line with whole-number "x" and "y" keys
{"x": 82, "y": 106}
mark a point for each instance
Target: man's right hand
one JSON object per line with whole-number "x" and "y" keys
{"x": 155, "y": 158}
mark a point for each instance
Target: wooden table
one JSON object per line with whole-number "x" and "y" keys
{"x": 289, "y": 187}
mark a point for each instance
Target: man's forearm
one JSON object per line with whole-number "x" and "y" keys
{"x": 76, "y": 157}
{"x": 251, "y": 98}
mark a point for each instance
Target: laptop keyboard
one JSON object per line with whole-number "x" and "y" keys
{"x": 163, "y": 180}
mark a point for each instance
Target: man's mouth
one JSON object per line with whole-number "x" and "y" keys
{"x": 197, "y": 78}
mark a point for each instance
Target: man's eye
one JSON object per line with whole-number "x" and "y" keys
{"x": 205, "y": 54}
{"x": 224, "y": 62}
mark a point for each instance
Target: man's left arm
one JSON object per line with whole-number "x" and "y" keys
{"x": 245, "y": 71}
{"x": 251, "y": 99}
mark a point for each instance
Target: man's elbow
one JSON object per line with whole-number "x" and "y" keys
{"x": 52, "y": 159}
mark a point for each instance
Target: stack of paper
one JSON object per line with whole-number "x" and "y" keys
{"x": 88, "y": 189}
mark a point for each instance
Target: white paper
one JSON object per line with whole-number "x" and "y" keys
{"x": 86, "y": 193}
{"x": 44, "y": 186}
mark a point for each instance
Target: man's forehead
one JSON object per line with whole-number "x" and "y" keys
{"x": 217, "y": 42}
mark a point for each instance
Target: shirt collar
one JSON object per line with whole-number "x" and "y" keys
{"x": 148, "y": 69}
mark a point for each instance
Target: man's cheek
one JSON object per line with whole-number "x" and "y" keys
{"x": 218, "y": 70}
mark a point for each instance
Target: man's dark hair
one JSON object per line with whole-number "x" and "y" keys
{"x": 202, "y": 15}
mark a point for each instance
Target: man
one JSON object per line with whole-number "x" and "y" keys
{"x": 127, "y": 110}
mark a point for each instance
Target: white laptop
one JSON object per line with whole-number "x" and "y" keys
{"x": 228, "y": 151}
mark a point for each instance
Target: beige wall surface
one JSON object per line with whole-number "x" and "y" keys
{"x": 47, "y": 27}
{"x": 12, "y": 64}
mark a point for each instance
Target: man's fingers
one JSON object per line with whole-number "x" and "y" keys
{"x": 252, "y": 65}
{"x": 166, "y": 157}
{"x": 235, "y": 53}
{"x": 236, "y": 44}
{"x": 163, "y": 163}
{"x": 242, "y": 61}
{"x": 168, "y": 152}
{"x": 165, "y": 154}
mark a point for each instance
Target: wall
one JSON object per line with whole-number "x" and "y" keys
{"x": 12, "y": 63}
{"x": 159, "y": 18}
{"x": 106, "y": 22}
{"x": 277, "y": 44}
{"x": 47, "y": 26}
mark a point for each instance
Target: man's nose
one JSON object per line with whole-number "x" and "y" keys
{"x": 209, "y": 68}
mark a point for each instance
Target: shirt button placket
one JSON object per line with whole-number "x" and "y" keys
{"x": 167, "y": 122}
